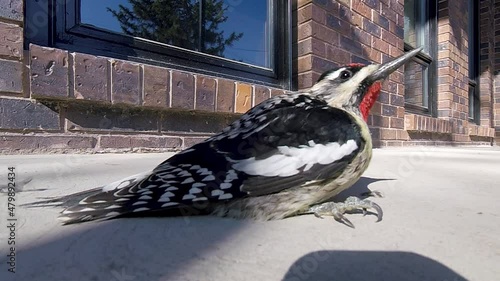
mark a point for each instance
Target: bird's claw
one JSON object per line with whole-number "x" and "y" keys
{"x": 337, "y": 210}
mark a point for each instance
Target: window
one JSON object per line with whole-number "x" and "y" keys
{"x": 474, "y": 105}
{"x": 247, "y": 40}
{"x": 420, "y": 30}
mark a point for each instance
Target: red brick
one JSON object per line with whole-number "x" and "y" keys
{"x": 372, "y": 28}
{"x": 114, "y": 141}
{"x": 325, "y": 34}
{"x": 330, "y": 6}
{"x": 156, "y": 86}
{"x": 397, "y": 123}
{"x": 387, "y": 134}
{"x": 398, "y": 8}
{"x": 225, "y": 95}
{"x": 402, "y": 135}
{"x": 11, "y": 76}
{"x": 318, "y": 47}
{"x": 353, "y": 46}
{"x": 381, "y": 45}
{"x": 377, "y": 108}
{"x": 401, "y": 112}
{"x": 390, "y": 37}
{"x": 339, "y": 55}
{"x": 205, "y": 93}
{"x": 380, "y": 121}
{"x": 356, "y": 19}
{"x": 304, "y": 63}
{"x": 11, "y": 40}
{"x": 304, "y": 13}
{"x": 410, "y": 122}
{"x": 190, "y": 141}
{"x": 362, "y": 9}
{"x": 362, "y": 36}
{"x": 43, "y": 143}
{"x": 380, "y": 20}
{"x": 243, "y": 97}
{"x": 389, "y": 14}
{"x": 182, "y": 90}
{"x": 305, "y": 80}
{"x": 195, "y": 121}
{"x": 276, "y": 92}
{"x": 125, "y": 81}
{"x": 318, "y": 14}
{"x": 375, "y": 56}
{"x": 49, "y": 72}
{"x": 338, "y": 25}
{"x": 91, "y": 82}
{"x": 261, "y": 94}
{"x": 21, "y": 114}
{"x": 84, "y": 117}
{"x": 304, "y": 30}
{"x": 322, "y": 65}
{"x": 304, "y": 47}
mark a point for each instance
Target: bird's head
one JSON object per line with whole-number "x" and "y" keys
{"x": 355, "y": 87}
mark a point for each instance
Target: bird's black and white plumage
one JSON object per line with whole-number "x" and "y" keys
{"x": 281, "y": 158}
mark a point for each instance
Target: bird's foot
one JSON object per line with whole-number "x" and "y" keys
{"x": 337, "y": 210}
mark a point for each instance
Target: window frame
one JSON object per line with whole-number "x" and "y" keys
{"x": 427, "y": 59}
{"x": 474, "y": 72}
{"x": 55, "y": 23}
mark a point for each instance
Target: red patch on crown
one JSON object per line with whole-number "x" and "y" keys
{"x": 355, "y": 65}
{"x": 369, "y": 99}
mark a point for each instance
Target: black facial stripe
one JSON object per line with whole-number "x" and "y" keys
{"x": 353, "y": 69}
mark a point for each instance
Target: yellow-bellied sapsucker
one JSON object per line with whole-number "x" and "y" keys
{"x": 286, "y": 156}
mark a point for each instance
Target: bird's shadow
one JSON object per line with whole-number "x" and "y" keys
{"x": 368, "y": 266}
{"x": 360, "y": 189}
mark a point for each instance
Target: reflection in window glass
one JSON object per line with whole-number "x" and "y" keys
{"x": 410, "y": 22}
{"x": 237, "y": 30}
{"x": 415, "y": 83}
{"x": 416, "y": 31}
{"x": 471, "y": 101}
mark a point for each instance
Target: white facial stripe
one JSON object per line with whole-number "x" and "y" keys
{"x": 290, "y": 159}
{"x": 335, "y": 75}
{"x": 352, "y": 84}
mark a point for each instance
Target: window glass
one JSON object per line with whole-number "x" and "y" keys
{"x": 233, "y": 29}
{"x": 415, "y": 84}
{"x": 417, "y": 23}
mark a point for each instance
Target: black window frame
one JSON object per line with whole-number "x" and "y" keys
{"x": 55, "y": 23}
{"x": 474, "y": 95}
{"x": 428, "y": 58}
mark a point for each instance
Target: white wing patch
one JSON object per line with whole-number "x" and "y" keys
{"x": 291, "y": 159}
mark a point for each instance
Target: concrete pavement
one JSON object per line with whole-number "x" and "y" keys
{"x": 441, "y": 222}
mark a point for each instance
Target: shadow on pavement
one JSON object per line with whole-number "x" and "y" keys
{"x": 143, "y": 249}
{"x": 369, "y": 266}
{"x": 359, "y": 189}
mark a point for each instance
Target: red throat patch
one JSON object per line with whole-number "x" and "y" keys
{"x": 369, "y": 99}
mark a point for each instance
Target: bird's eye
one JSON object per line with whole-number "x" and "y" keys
{"x": 346, "y": 74}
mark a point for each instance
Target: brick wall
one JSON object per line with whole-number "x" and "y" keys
{"x": 494, "y": 51}
{"x": 84, "y": 102}
{"x": 333, "y": 33}
{"x": 54, "y": 100}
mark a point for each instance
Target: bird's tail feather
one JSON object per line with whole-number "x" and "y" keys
{"x": 99, "y": 203}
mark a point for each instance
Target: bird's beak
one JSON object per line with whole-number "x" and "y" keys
{"x": 385, "y": 69}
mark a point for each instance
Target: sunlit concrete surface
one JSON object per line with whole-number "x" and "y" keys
{"x": 441, "y": 222}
